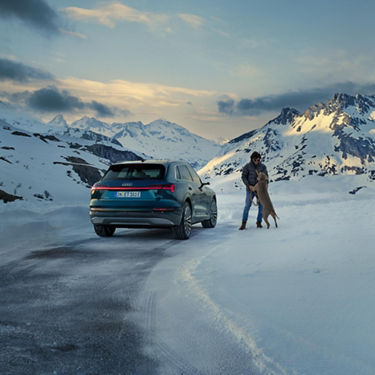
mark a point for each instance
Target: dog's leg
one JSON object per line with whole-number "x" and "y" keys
{"x": 273, "y": 214}
{"x": 266, "y": 221}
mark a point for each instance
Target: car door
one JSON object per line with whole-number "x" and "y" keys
{"x": 192, "y": 190}
{"x": 201, "y": 196}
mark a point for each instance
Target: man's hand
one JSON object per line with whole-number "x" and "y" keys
{"x": 251, "y": 187}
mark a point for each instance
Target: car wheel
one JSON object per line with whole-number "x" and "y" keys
{"x": 183, "y": 230}
{"x": 104, "y": 230}
{"x": 211, "y": 222}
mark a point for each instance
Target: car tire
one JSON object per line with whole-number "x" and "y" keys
{"x": 211, "y": 222}
{"x": 104, "y": 230}
{"x": 183, "y": 230}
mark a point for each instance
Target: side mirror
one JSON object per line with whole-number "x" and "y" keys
{"x": 204, "y": 184}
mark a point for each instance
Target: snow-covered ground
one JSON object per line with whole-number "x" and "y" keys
{"x": 298, "y": 299}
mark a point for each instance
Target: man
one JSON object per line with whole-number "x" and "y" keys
{"x": 249, "y": 178}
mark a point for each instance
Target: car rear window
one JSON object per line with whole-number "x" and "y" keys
{"x": 135, "y": 172}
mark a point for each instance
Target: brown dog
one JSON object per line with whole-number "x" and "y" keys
{"x": 262, "y": 192}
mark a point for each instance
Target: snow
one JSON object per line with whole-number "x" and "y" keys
{"x": 320, "y": 123}
{"x": 31, "y": 168}
{"x": 307, "y": 287}
{"x": 298, "y": 299}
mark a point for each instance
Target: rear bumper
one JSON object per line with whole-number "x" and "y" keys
{"x": 135, "y": 219}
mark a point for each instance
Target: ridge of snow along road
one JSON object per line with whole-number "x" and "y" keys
{"x": 224, "y": 322}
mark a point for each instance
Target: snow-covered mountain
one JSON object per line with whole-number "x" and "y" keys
{"x": 94, "y": 125}
{"x": 167, "y": 140}
{"x": 159, "y": 139}
{"x": 332, "y": 138}
{"x": 54, "y": 160}
{"x": 337, "y": 137}
{"x": 39, "y": 165}
{"x": 58, "y": 121}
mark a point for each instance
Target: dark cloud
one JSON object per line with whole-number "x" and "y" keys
{"x": 101, "y": 109}
{"x": 34, "y": 12}
{"x": 10, "y": 70}
{"x": 50, "y": 99}
{"x": 297, "y": 99}
{"x": 226, "y": 105}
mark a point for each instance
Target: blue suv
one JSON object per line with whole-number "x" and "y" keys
{"x": 152, "y": 194}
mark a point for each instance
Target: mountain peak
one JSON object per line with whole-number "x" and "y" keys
{"x": 58, "y": 120}
{"x": 286, "y": 116}
{"x": 161, "y": 121}
{"x": 88, "y": 122}
{"x": 165, "y": 125}
{"x": 341, "y": 101}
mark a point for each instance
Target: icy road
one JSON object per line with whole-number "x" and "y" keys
{"x": 95, "y": 306}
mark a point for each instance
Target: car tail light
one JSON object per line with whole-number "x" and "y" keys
{"x": 162, "y": 209}
{"x": 169, "y": 187}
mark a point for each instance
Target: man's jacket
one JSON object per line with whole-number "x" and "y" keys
{"x": 249, "y": 175}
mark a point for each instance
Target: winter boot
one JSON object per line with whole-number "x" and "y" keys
{"x": 243, "y": 226}
{"x": 259, "y": 224}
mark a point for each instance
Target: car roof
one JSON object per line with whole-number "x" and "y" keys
{"x": 150, "y": 161}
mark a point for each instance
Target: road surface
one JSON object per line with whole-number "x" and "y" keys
{"x": 110, "y": 306}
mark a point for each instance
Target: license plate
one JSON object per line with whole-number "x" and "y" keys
{"x": 128, "y": 194}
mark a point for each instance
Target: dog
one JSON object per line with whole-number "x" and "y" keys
{"x": 262, "y": 192}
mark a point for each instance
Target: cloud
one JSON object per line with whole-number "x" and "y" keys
{"x": 101, "y": 109}
{"x": 14, "y": 71}
{"x": 108, "y": 15}
{"x": 37, "y": 13}
{"x": 297, "y": 99}
{"x": 50, "y": 99}
{"x": 73, "y": 34}
{"x": 226, "y": 105}
{"x": 135, "y": 94}
{"x": 117, "y": 98}
{"x": 191, "y": 19}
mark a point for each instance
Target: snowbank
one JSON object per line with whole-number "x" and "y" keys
{"x": 303, "y": 292}
{"x": 296, "y": 300}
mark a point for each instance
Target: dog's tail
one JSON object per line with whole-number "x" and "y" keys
{"x": 275, "y": 213}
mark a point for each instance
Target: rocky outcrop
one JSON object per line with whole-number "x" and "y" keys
{"x": 112, "y": 154}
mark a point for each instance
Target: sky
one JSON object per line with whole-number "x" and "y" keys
{"x": 218, "y": 68}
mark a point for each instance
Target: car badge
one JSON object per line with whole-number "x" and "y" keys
{"x": 127, "y": 184}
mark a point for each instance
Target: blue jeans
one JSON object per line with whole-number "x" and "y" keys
{"x": 249, "y": 196}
